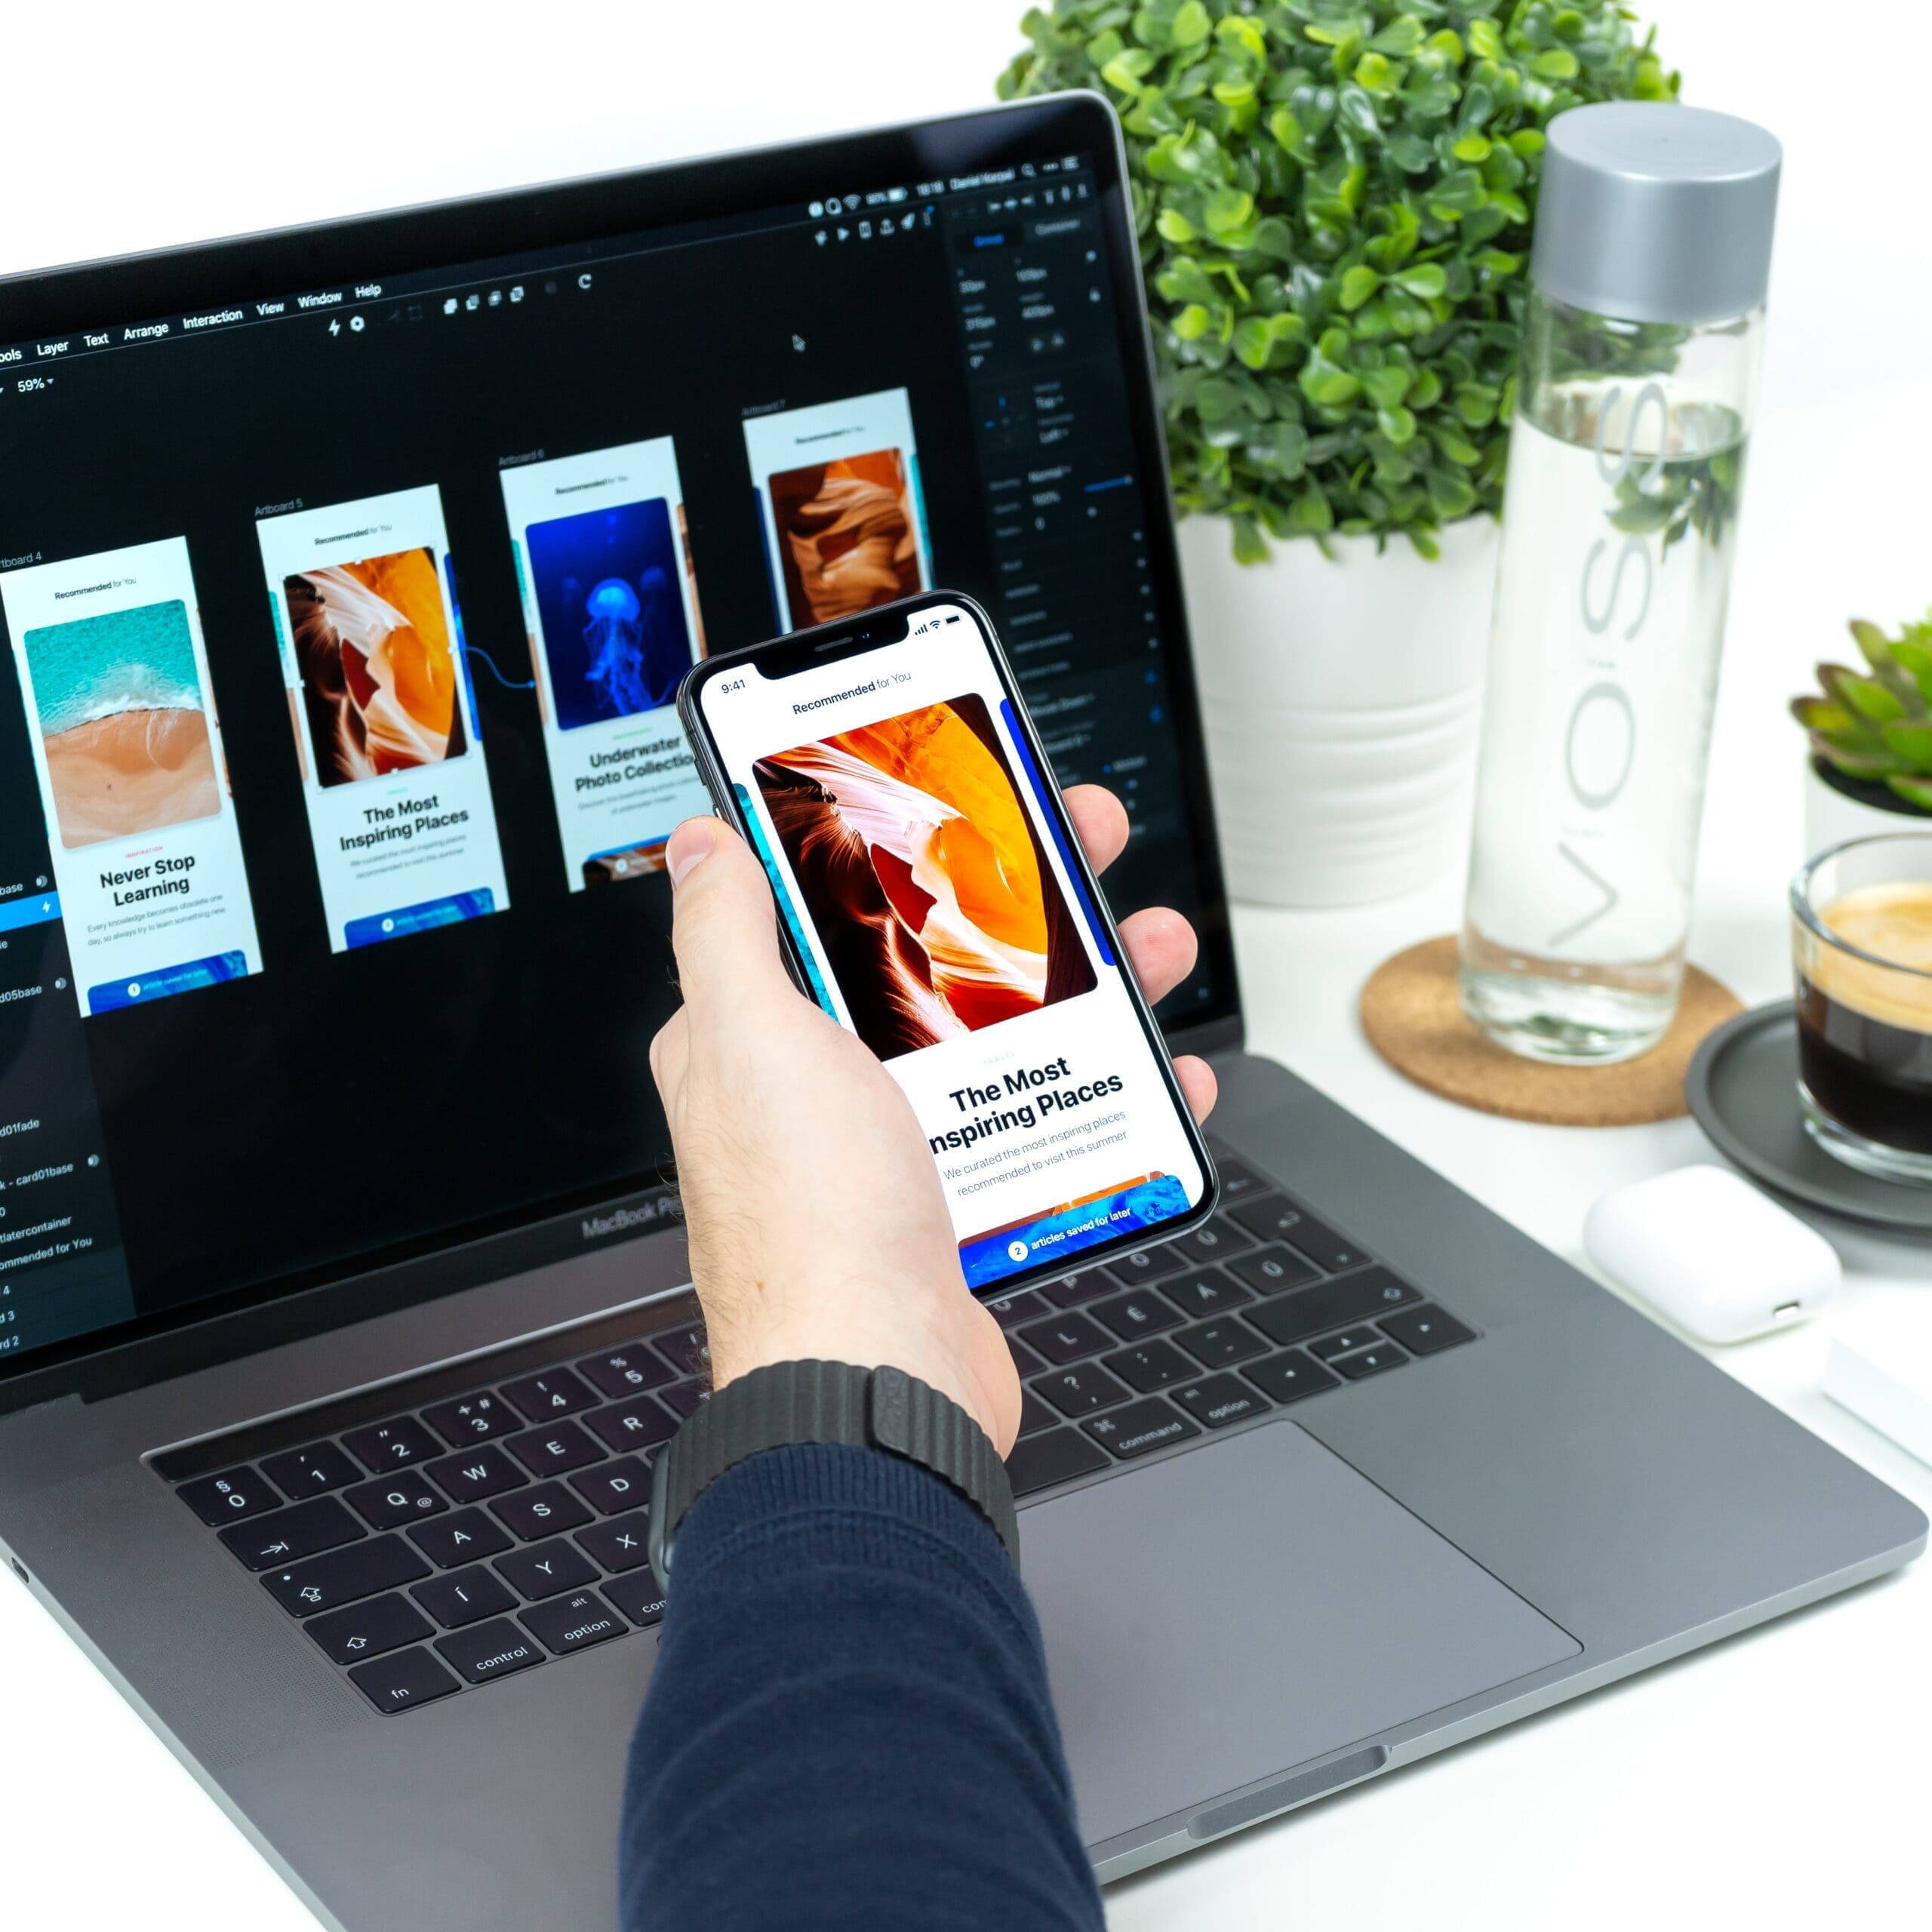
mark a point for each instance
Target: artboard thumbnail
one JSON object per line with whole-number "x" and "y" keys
{"x": 845, "y": 523}
{"x": 845, "y": 534}
{"x": 613, "y": 623}
{"x": 922, "y": 874}
{"x": 123, "y": 723}
{"x": 609, "y": 601}
{"x": 394, "y": 780}
{"x": 126, "y": 740}
{"x": 378, "y": 670}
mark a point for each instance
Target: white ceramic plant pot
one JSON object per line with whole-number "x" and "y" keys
{"x": 1342, "y": 699}
{"x": 1831, "y": 816}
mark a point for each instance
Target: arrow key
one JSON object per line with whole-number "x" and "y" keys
{"x": 365, "y": 1630}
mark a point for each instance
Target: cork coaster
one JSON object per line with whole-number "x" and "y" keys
{"x": 1411, "y": 1016}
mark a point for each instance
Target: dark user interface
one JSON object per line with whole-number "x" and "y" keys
{"x": 339, "y": 634}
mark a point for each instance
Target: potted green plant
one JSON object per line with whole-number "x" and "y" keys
{"x": 1870, "y": 765}
{"x": 1333, "y": 199}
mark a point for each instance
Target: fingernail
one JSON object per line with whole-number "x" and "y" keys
{"x": 688, "y": 844}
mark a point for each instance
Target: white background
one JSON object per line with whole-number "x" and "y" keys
{"x": 1778, "y": 1781}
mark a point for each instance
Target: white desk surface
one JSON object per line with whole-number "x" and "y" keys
{"x": 1775, "y": 1781}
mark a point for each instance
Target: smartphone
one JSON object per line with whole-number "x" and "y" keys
{"x": 935, "y": 901}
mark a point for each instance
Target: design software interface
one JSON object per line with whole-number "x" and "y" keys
{"x": 342, "y": 629}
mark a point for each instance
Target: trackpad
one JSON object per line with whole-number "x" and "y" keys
{"x": 1240, "y": 1610}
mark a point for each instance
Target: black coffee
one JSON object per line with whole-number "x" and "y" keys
{"x": 1864, "y": 1030}
{"x": 1870, "y": 1075}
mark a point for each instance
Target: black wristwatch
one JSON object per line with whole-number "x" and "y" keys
{"x": 825, "y": 1401}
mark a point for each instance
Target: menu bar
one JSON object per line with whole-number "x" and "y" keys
{"x": 487, "y": 284}
{"x": 480, "y": 284}
{"x": 164, "y": 328}
{"x": 358, "y": 298}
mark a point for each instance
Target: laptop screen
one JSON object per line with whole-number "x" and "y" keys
{"x": 347, "y": 580}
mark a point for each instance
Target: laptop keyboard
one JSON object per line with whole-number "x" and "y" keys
{"x": 1263, "y": 1305}
{"x": 437, "y": 1533}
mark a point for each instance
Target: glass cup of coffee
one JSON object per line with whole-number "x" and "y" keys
{"x": 1862, "y": 946}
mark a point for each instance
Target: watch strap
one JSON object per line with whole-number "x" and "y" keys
{"x": 826, "y": 1401}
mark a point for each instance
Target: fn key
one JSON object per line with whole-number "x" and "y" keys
{"x": 401, "y": 1682}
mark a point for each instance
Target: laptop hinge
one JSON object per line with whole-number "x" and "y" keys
{"x": 230, "y": 1334}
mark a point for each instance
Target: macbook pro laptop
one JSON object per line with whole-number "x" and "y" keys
{"x": 346, "y": 575}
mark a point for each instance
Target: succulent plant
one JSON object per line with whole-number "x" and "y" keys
{"x": 1876, "y": 726}
{"x": 1333, "y": 200}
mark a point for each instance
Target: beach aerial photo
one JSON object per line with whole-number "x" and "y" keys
{"x": 123, "y": 723}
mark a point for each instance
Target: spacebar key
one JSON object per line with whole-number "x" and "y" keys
{"x": 1038, "y": 1462}
{"x": 345, "y": 1576}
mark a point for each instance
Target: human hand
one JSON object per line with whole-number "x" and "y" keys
{"x": 817, "y": 1224}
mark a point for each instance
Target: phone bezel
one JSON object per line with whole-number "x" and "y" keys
{"x": 875, "y": 629}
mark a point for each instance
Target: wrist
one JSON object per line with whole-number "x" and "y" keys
{"x": 909, "y": 1347}
{"x": 789, "y": 1404}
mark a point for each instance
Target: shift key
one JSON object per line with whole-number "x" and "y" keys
{"x": 345, "y": 1576}
{"x": 1334, "y": 1304}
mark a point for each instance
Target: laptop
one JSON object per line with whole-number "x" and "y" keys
{"x": 346, "y": 574}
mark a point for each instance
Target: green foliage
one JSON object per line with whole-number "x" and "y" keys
{"x": 1333, "y": 200}
{"x": 1700, "y": 495}
{"x": 1876, "y": 725}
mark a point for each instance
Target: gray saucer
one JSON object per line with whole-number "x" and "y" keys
{"x": 1742, "y": 1089}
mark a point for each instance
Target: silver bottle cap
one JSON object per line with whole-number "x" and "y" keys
{"x": 1655, "y": 212}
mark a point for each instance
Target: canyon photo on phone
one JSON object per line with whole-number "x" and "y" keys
{"x": 936, "y": 904}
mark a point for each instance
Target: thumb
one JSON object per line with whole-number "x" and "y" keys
{"x": 724, "y": 924}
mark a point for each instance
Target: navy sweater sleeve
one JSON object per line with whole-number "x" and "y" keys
{"x": 848, "y": 1725}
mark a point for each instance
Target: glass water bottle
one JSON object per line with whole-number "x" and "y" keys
{"x": 1633, "y": 406}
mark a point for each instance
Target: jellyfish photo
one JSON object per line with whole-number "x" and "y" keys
{"x": 615, "y": 639}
